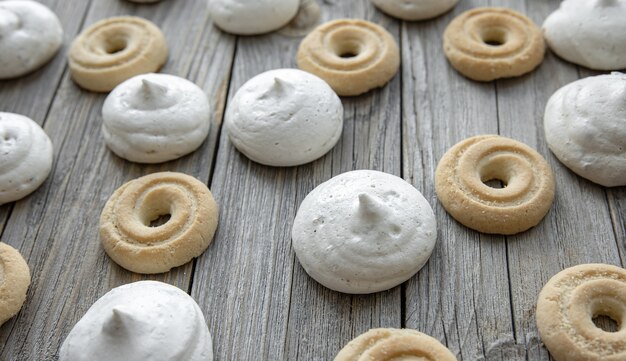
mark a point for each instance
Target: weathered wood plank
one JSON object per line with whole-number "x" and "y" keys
{"x": 260, "y": 303}
{"x": 57, "y": 228}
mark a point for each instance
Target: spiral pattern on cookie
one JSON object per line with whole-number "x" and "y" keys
{"x": 527, "y": 178}
{"x": 567, "y": 305}
{"x": 352, "y": 56}
{"x": 490, "y": 43}
{"x": 125, "y": 224}
{"x": 389, "y": 344}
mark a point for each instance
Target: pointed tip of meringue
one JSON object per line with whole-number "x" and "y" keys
{"x": 152, "y": 88}
{"x": 117, "y": 319}
{"x": 370, "y": 205}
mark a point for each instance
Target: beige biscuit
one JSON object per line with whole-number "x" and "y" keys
{"x": 567, "y": 305}
{"x": 382, "y": 344}
{"x": 131, "y": 242}
{"x": 528, "y": 184}
{"x": 14, "y": 281}
{"x": 352, "y": 56}
{"x": 491, "y": 43}
{"x": 116, "y": 49}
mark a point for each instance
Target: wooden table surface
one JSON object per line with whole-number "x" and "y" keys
{"x": 476, "y": 294}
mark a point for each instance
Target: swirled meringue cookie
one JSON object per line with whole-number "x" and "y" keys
{"x": 591, "y": 33}
{"x": 153, "y": 118}
{"x": 284, "y": 117}
{"x": 25, "y": 156}
{"x": 364, "y": 231}
{"x": 140, "y": 321}
{"x": 250, "y": 17}
{"x": 585, "y": 125}
{"x": 415, "y": 9}
{"x": 30, "y": 34}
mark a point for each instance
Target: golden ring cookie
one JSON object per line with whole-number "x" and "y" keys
{"x": 570, "y": 301}
{"x": 528, "y": 184}
{"x": 382, "y": 344}
{"x": 491, "y": 43}
{"x": 14, "y": 281}
{"x": 352, "y": 56}
{"x": 125, "y": 224}
{"x": 116, "y": 49}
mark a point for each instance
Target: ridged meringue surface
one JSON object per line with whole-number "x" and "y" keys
{"x": 364, "y": 231}
{"x": 25, "y": 156}
{"x": 284, "y": 117}
{"x": 250, "y": 17}
{"x": 140, "y": 321}
{"x": 591, "y": 33}
{"x": 153, "y": 118}
{"x": 30, "y": 35}
{"x": 585, "y": 126}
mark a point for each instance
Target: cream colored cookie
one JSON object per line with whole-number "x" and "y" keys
{"x": 485, "y": 44}
{"x": 570, "y": 301}
{"x": 386, "y": 344}
{"x": 14, "y": 281}
{"x": 528, "y": 184}
{"x": 131, "y": 242}
{"x": 115, "y": 49}
{"x": 352, "y": 56}
{"x": 412, "y": 10}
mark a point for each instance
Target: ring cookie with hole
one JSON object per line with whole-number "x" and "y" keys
{"x": 115, "y": 49}
{"x": 14, "y": 282}
{"x": 394, "y": 344}
{"x": 251, "y": 17}
{"x": 591, "y": 33}
{"x": 528, "y": 184}
{"x": 125, "y": 224}
{"x": 364, "y": 231}
{"x": 30, "y": 35}
{"x": 352, "y": 56}
{"x": 26, "y": 158}
{"x": 153, "y": 118}
{"x": 485, "y": 44}
{"x": 413, "y": 10}
{"x": 145, "y": 320}
{"x": 570, "y": 301}
{"x": 585, "y": 126}
{"x": 284, "y": 117}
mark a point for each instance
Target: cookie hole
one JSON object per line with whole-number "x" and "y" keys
{"x": 115, "y": 45}
{"x": 348, "y": 49}
{"x": 494, "y": 37}
{"x": 606, "y": 323}
{"x": 160, "y": 220}
{"x": 495, "y": 183}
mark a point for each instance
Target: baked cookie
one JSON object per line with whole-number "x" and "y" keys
{"x": 528, "y": 184}
{"x": 591, "y": 33}
{"x": 412, "y": 10}
{"x": 381, "y": 344}
{"x": 485, "y": 44}
{"x": 132, "y": 242}
{"x": 115, "y": 49}
{"x": 570, "y": 301}
{"x": 251, "y": 17}
{"x": 26, "y": 158}
{"x": 154, "y": 118}
{"x": 30, "y": 35}
{"x": 140, "y": 321}
{"x": 284, "y": 117}
{"x": 14, "y": 281}
{"x": 364, "y": 231}
{"x": 352, "y": 56}
{"x": 585, "y": 126}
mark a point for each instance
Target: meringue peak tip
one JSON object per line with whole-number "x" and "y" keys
{"x": 150, "y": 87}
{"x": 117, "y": 319}
{"x": 370, "y": 204}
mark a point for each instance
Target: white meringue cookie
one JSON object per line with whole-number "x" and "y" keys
{"x": 284, "y": 117}
{"x": 30, "y": 34}
{"x": 140, "y": 321}
{"x": 25, "y": 156}
{"x": 153, "y": 118}
{"x": 364, "y": 231}
{"x": 415, "y": 9}
{"x": 585, "y": 125}
{"x": 250, "y": 17}
{"x": 591, "y": 33}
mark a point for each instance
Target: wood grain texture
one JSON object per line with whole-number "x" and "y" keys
{"x": 56, "y": 229}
